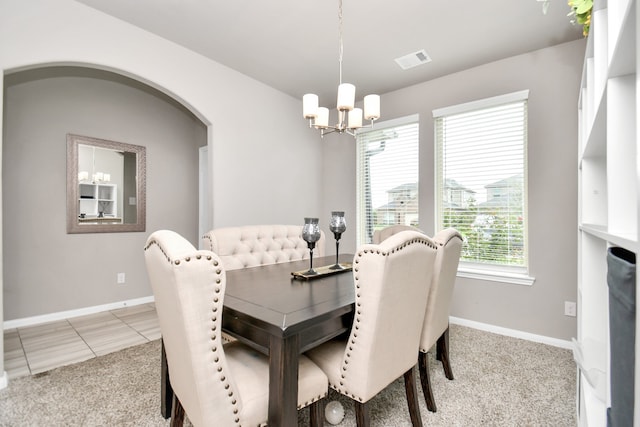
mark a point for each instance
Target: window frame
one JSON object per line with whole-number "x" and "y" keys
{"x": 492, "y": 272}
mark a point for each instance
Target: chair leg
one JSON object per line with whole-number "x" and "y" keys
{"x": 177, "y": 413}
{"x": 166, "y": 392}
{"x": 442, "y": 353}
{"x": 425, "y": 381}
{"x": 412, "y": 398}
{"x": 362, "y": 414}
{"x": 316, "y": 413}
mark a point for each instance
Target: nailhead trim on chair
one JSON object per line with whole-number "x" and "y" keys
{"x": 315, "y": 399}
{"x": 357, "y": 321}
{"x": 214, "y": 348}
{"x": 216, "y": 306}
{"x": 155, "y": 242}
{"x": 441, "y": 245}
{"x": 214, "y": 318}
{"x": 207, "y": 237}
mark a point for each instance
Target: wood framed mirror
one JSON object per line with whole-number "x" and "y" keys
{"x": 106, "y": 186}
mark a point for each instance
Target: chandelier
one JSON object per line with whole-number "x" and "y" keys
{"x": 349, "y": 117}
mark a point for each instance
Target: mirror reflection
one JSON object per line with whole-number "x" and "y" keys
{"x": 105, "y": 186}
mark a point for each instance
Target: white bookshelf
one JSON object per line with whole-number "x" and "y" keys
{"x": 609, "y": 193}
{"x": 97, "y": 197}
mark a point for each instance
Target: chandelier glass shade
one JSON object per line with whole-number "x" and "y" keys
{"x": 350, "y": 118}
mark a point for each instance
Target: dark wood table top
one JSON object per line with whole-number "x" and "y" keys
{"x": 283, "y": 305}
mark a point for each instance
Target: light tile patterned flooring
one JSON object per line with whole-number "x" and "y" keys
{"x": 36, "y": 349}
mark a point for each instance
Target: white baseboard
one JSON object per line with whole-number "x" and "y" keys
{"x": 4, "y": 380}
{"x": 44, "y": 318}
{"x": 555, "y": 342}
{"x": 36, "y": 320}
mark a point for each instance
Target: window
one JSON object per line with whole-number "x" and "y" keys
{"x": 387, "y": 176}
{"x": 481, "y": 180}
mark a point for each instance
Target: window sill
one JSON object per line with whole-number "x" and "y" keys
{"x": 496, "y": 276}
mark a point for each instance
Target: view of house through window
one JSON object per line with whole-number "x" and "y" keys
{"x": 481, "y": 178}
{"x": 387, "y": 169}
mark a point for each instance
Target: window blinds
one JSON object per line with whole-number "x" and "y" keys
{"x": 481, "y": 177}
{"x": 387, "y": 176}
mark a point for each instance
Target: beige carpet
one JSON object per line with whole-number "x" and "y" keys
{"x": 499, "y": 381}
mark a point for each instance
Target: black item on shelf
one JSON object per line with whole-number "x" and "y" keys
{"x": 621, "y": 278}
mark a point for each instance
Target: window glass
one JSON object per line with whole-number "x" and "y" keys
{"x": 387, "y": 172}
{"x": 481, "y": 178}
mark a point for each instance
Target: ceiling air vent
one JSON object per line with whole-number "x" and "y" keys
{"x": 413, "y": 59}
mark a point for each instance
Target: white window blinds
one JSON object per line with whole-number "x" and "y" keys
{"x": 387, "y": 176}
{"x": 481, "y": 178}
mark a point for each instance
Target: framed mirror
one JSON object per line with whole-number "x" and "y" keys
{"x": 105, "y": 186}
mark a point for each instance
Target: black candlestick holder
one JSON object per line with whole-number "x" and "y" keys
{"x": 338, "y": 225}
{"x": 311, "y": 234}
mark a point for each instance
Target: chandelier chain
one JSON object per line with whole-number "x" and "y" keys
{"x": 349, "y": 116}
{"x": 341, "y": 50}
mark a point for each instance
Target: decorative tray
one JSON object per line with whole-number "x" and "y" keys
{"x": 323, "y": 271}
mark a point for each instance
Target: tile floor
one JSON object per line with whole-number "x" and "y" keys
{"x": 34, "y": 349}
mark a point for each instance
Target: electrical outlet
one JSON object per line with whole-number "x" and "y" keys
{"x": 570, "y": 308}
{"x": 120, "y": 278}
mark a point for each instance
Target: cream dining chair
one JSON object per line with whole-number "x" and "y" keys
{"x": 380, "y": 235}
{"x": 391, "y": 286}
{"x": 214, "y": 385}
{"x": 436, "y": 320}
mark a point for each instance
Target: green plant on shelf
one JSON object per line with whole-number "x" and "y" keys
{"x": 581, "y": 14}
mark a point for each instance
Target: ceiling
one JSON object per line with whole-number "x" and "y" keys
{"x": 293, "y": 45}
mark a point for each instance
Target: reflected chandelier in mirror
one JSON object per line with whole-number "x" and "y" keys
{"x": 105, "y": 186}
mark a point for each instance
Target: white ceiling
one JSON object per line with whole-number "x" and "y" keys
{"x": 292, "y": 45}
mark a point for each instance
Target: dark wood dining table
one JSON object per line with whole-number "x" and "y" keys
{"x": 281, "y": 316}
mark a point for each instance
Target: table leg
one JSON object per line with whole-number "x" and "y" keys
{"x": 166, "y": 392}
{"x": 283, "y": 381}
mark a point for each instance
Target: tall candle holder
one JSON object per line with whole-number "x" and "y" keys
{"x": 338, "y": 225}
{"x": 311, "y": 234}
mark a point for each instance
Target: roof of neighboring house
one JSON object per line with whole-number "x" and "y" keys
{"x": 395, "y": 205}
{"x": 412, "y": 186}
{"x": 512, "y": 181}
{"x": 512, "y": 197}
{"x": 452, "y": 184}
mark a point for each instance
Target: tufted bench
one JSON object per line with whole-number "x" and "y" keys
{"x": 255, "y": 245}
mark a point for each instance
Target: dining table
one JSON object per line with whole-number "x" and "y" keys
{"x": 282, "y": 316}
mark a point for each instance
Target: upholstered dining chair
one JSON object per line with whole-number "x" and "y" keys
{"x": 380, "y": 235}
{"x": 436, "y": 320}
{"x": 214, "y": 384}
{"x": 391, "y": 296}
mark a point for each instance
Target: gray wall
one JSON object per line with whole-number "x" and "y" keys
{"x": 247, "y": 140}
{"x": 45, "y": 269}
{"x": 553, "y": 76}
{"x": 45, "y": 33}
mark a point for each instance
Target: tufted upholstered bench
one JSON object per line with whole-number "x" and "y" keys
{"x": 255, "y": 245}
